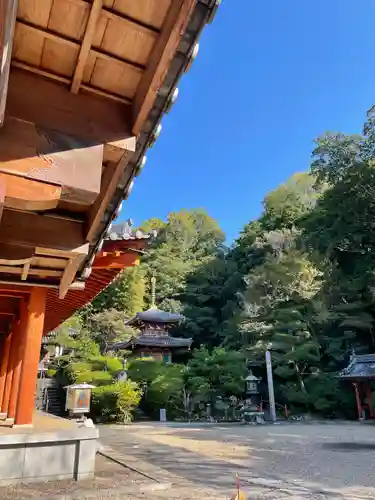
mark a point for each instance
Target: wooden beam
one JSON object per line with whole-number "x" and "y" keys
{"x": 25, "y": 271}
{"x": 76, "y": 259}
{"x": 10, "y": 289}
{"x": 42, "y": 154}
{"x": 8, "y": 13}
{"x": 13, "y": 254}
{"x": 112, "y": 262}
{"x": 160, "y": 59}
{"x": 42, "y": 273}
{"x": 110, "y": 179}
{"x": 63, "y": 79}
{"x": 25, "y": 194}
{"x": 92, "y": 22}
{"x": 8, "y": 306}
{"x": 51, "y": 105}
{"x": 114, "y": 150}
{"x": 30, "y": 284}
{"x": 30, "y": 229}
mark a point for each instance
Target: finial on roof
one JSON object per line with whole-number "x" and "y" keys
{"x": 153, "y": 292}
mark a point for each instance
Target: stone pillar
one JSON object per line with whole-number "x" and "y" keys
{"x": 32, "y": 339}
{"x": 4, "y": 366}
{"x": 17, "y": 365}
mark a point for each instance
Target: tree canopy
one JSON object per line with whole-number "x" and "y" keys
{"x": 299, "y": 280}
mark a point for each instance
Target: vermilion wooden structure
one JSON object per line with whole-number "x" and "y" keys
{"x": 83, "y": 87}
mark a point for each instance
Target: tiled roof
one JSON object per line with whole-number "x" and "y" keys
{"x": 154, "y": 315}
{"x": 125, "y": 231}
{"x": 360, "y": 367}
{"x": 149, "y": 341}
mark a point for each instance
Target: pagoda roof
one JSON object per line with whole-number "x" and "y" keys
{"x": 155, "y": 315}
{"x": 151, "y": 341}
{"x": 360, "y": 367}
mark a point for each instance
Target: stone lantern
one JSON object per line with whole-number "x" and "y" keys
{"x": 252, "y": 389}
{"x": 252, "y": 384}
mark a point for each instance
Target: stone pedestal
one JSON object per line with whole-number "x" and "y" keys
{"x": 60, "y": 450}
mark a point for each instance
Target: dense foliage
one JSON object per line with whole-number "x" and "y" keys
{"x": 299, "y": 281}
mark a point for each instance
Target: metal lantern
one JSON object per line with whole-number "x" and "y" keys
{"x": 78, "y": 398}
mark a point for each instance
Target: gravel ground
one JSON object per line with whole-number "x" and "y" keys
{"x": 291, "y": 462}
{"x": 300, "y": 460}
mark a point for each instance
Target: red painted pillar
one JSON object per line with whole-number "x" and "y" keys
{"x": 4, "y": 366}
{"x": 17, "y": 366}
{"x": 358, "y": 399}
{"x": 11, "y": 362}
{"x": 369, "y": 401}
{"x": 32, "y": 339}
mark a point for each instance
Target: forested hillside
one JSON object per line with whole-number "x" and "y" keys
{"x": 299, "y": 280}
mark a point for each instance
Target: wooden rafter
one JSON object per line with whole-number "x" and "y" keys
{"x": 112, "y": 14}
{"x": 30, "y": 229}
{"x": 53, "y": 106}
{"x": 86, "y": 44}
{"x": 88, "y": 88}
{"x": 8, "y": 12}
{"x": 164, "y": 50}
{"x": 72, "y": 43}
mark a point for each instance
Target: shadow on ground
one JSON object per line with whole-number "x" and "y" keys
{"x": 349, "y": 446}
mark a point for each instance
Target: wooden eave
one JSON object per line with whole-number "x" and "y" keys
{"x": 130, "y": 53}
{"x": 83, "y": 87}
{"x": 123, "y": 254}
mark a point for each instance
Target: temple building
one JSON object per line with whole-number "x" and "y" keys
{"x": 154, "y": 339}
{"x": 84, "y": 86}
{"x": 361, "y": 372}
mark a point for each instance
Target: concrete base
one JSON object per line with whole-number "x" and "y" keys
{"x": 57, "y": 450}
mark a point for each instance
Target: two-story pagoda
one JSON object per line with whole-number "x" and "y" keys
{"x": 154, "y": 339}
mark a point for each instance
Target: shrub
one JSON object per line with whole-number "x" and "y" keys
{"x": 101, "y": 378}
{"x": 106, "y": 363}
{"x": 51, "y": 372}
{"x": 83, "y": 377}
{"x": 98, "y": 363}
{"x": 79, "y": 367}
{"x": 114, "y": 365}
{"x": 145, "y": 369}
{"x": 115, "y": 402}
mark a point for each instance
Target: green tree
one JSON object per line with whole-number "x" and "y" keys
{"x": 125, "y": 294}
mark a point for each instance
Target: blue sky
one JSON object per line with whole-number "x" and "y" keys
{"x": 270, "y": 76}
